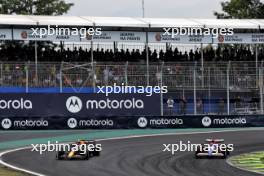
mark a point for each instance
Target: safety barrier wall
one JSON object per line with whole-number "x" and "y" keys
{"x": 130, "y": 122}
{"x": 77, "y": 105}
{"x": 213, "y": 102}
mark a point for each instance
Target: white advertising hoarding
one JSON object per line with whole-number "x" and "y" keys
{"x": 28, "y": 34}
{"x": 137, "y": 37}
{"x": 118, "y": 36}
{"x": 5, "y": 34}
{"x": 241, "y": 38}
{"x": 158, "y": 37}
{"x": 106, "y": 36}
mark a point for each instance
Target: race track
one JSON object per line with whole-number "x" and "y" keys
{"x": 144, "y": 157}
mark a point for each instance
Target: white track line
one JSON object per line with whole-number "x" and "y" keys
{"x": 14, "y": 167}
{"x": 115, "y": 138}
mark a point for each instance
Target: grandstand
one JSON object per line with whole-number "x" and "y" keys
{"x": 204, "y": 76}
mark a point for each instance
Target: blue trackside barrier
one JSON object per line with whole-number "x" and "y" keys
{"x": 45, "y": 90}
{"x": 210, "y": 106}
{"x": 54, "y": 90}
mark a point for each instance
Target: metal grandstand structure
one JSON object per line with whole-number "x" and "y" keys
{"x": 145, "y": 25}
{"x": 212, "y": 81}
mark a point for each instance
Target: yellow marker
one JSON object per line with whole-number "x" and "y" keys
{"x": 71, "y": 154}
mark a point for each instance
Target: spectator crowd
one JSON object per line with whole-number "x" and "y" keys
{"x": 54, "y": 54}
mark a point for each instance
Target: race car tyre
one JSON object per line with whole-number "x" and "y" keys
{"x": 224, "y": 155}
{"x": 58, "y": 157}
{"x": 96, "y": 153}
{"x": 197, "y": 157}
{"x": 87, "y": 156}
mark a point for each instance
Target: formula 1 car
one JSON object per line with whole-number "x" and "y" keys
{"x": 78, "y": 150}
{"x": 212, "y": 149}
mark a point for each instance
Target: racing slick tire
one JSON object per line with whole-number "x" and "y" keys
{"x": 59, "y": 154}
{"x": 96, "y": 153}
{"x": 196, "y": 156}
{"x": 86, "y": 156}
{"x": 224, "y": 155}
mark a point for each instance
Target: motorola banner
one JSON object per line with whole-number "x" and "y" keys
{"x": 212, "y": 121}
{"x": 130, "y": 122}
{"x": 25, "y": 123}
{"x": 231, "y": 121}
{"x": 78, "y": 105}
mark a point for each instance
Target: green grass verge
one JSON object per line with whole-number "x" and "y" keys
{"x": 250, "y": 161}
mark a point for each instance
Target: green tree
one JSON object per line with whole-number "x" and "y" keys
{"x": 34, "y": 7}
{"x": 241, "y": 9}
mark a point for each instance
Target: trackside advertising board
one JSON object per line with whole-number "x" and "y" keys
{"x": 241, "y": 38}
{"x": 136, "y": 37}
{"x": 129, "y": 122}
{"x": 118, "y": 36}
{"x": 158, "y": 37}
{"x": 28, "y": 34}
{"x": 78, "y": 105}
{"x": 5, "y": 34}
{"x": 106, "y": 36}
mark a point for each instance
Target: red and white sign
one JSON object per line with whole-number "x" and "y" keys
{"x": 158, "y": 37}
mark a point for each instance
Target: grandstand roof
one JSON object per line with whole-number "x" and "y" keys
{"x": 129, "y": 22}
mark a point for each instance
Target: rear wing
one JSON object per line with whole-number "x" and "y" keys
{"x": 86, "y": 141}
{"x": 215, "y": 140}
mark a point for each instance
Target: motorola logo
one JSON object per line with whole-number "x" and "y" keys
{"x": 74, "y": 104}
{"x": 142, "y": 122}
{"x": 6, "y": 123}
{"x": 16, "y": 104}
{"x": 72, "y": 123}
{"x": 206, "y": 121}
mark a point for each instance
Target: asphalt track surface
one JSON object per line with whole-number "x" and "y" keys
{"x": 6, "y": 136}
{"x": 144, "y": 157}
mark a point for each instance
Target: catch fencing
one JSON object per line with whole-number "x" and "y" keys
{"x": 209, "y": 88}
